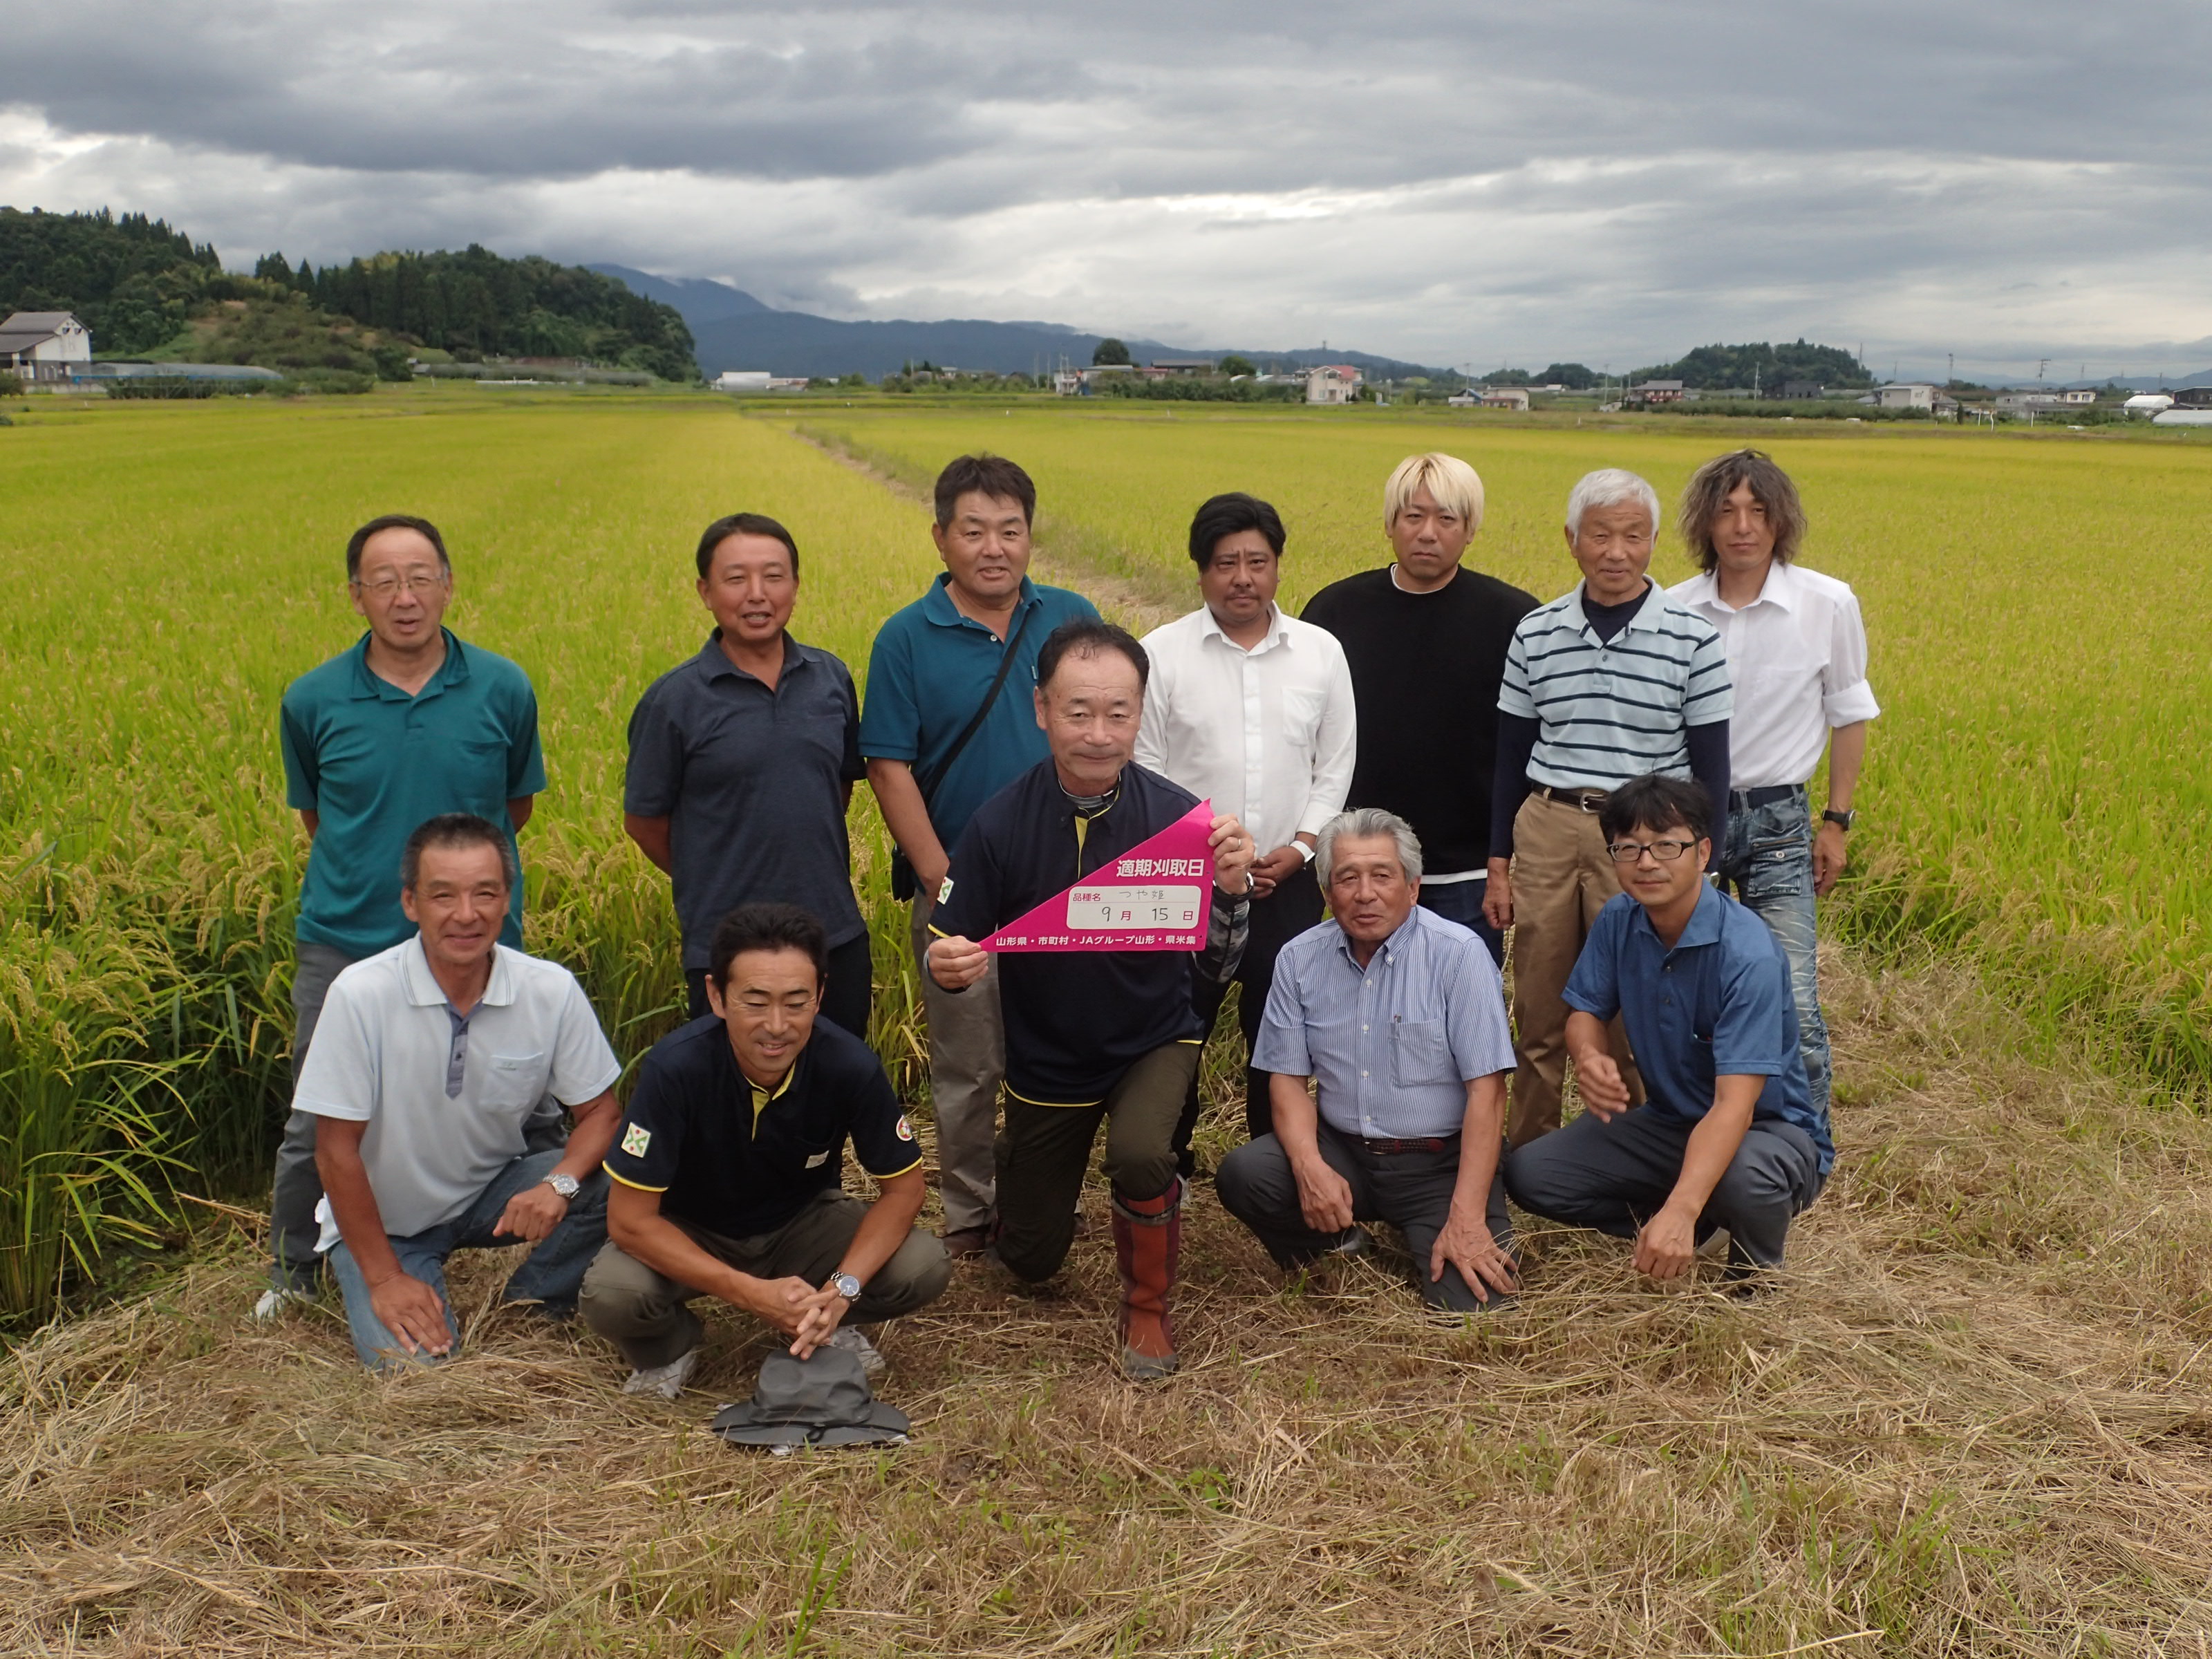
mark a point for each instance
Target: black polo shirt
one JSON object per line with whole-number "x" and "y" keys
{"x": 1076, "y": 1020}
{"x": 752, "y": 782}
{"x": 738, "y": 1160}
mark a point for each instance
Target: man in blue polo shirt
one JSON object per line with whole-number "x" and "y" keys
{"x": 408, "y": 724}
{"x": 1729, "y": 1136}
{"x": 948, "y": 723}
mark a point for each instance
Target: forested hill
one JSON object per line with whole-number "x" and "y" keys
{"x": 1764, "y": 364}
{"x": 477, "y": 303}
{"x": 132, "y": 280}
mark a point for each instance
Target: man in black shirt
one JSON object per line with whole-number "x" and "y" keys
{"x": 1426, "y": 642}
{"x": 729, "y": 1170}
{"x": 1092, "y": 1035}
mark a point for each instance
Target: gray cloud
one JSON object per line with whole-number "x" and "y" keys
{"x": 1444, "y": 181}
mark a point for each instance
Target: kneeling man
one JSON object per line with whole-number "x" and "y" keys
{"x": 1729, "y": 1136}
{"x": 429, "y": 1060}
{"x": 1398, "y": 1017}
{"x": 729, "y": 1170}
{"x": 1092, "y": 1035}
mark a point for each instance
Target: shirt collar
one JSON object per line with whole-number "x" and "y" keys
{"x": 1704, "y": 590}
{"x": 1647, "y": 614}
{"x": 423, "y": 990}
{"x": 1400, "y": 936}
{"x": 937, "y": 604}
{"x": 366, "y": 683}
{"x": 1278, "y": 633}
{"x": 1703, "y": 926}
{"x": 714, "y": 662}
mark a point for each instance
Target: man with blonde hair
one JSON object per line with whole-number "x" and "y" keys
{"x": 1798, "y": 636}
{"x": 1612, "y": 681}
{"x": 1426, "y": 643}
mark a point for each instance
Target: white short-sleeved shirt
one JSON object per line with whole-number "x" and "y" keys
{"x": 382, "y": 1053}
{"x": 1269, "y": 734}
{"x": 1798, "y": 655}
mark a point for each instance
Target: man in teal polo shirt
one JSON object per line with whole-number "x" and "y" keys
{"x": 943, "y": 730}
{"x": 408, "y": 724}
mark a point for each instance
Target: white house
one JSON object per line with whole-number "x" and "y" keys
{"x": 1332, "y": 383}
{"x": 1902, "y": 395}
{"x": 1506, "y": 396}
{"x": 43, "y": 345}
{"x": 742, "y": 379}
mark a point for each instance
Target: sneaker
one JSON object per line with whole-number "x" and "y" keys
{"x": 274, "y": 1302}
{"x": 665, "y": 1380}
{"x": 854, "y": 1341}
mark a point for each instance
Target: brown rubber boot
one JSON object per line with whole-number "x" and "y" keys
{"x": 1147, "y": 1244}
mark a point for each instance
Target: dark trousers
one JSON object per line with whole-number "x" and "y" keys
{"x": 1044, "y": 1152}
{"x": 847, "y": 994}
{"x": 1615, "y": 1176}
{"x": 1461, "y": 902}
{"x": 1276, "y": 920}
{"x": 1412, "y": 1191}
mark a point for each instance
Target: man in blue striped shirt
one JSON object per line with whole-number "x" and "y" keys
{"x": 1614, "y": 681}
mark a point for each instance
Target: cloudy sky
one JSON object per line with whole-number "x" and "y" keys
{"x": 1456, "y": 181}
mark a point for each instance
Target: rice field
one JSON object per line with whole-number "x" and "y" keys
{"x": 2035, "y": 789}
{"x": 1973, "y": 1422}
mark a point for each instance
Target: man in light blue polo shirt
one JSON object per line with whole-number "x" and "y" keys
{"x": 1398, "y": 1017}
{"x": 1730, "y": 1136}
{"x": 407, "y": 724}
{"x": 951, "y": 721}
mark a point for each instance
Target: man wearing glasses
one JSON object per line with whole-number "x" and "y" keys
{"x": 406, "y": 725}
{"x": 1728, "y": 1135}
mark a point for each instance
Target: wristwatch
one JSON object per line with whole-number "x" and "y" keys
{"x": 846, "y": 1286}
{"x": 1841, "y": 820}
{"x": 566, "y": 1185}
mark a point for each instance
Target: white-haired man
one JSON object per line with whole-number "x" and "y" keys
{"x": 1612, "y": 681}
{"x": 1426, "y": 642}
{"x": 1397, "y": 1016}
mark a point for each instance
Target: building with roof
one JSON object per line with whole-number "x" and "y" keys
{"x": 44, "y": 345}
{"x": 1332, "y": 383}
{"x": 1904, "y": 395}
{"x": 1182, "y": 365}
{"x": 1506, "y": 396}
{"x": 1657, "y": 392}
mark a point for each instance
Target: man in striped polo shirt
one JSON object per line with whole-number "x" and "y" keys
{"x": 1611, "y": 682}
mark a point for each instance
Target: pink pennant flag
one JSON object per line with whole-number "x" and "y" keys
{"x": 1158, "y": 896}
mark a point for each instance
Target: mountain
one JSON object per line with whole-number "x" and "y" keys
{"x": 699, "y": 299}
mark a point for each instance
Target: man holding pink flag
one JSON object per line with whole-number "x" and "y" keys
{"x": 1100, "y": 1023}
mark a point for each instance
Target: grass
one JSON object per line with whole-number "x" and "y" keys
{"x": 1975, "y": 1420}
{"x": 2034, "y": 794}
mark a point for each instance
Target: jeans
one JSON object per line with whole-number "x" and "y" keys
{"x": 1769, "y": 862}
{"x": 1461, "y": 902}
{"x": 1616, "y": 1176}
{"x": 1412, "y": 1191}
{"x": 551, "y": 1275}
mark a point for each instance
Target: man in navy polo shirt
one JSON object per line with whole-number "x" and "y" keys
{"x": 1728, "y": 1136}
{"x": 729, "y": 1170}
{"x": 742, "y": 762}
{"x": 936, "y": 668}
{"x": 1093, "y": 1036}
{"x": 407, "y": 725}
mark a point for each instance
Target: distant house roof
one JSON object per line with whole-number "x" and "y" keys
{"x": 24, "y": 329}
{"x": 1658, "y": 385}
{"x": 1201, "y": 364}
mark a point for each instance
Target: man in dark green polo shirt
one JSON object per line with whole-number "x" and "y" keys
{"x": 408, "y": 724}
{"x": 943, "y": 731}
{"x": 729, "y": 1170}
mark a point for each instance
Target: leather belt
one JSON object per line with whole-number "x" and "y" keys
{"x": 1767, "y": 795}
{"x": 1415, "y": 1144}
{"x": 1583, "y": 800}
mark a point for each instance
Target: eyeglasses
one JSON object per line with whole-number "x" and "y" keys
{"x": 385, "y": 586}
{"x": 1630, "y": 852}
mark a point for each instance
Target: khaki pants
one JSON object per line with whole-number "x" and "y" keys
{"x": 1562, "y": 876}
{"x": 967, "y": 1067}
{"x": 642, "y": 1312}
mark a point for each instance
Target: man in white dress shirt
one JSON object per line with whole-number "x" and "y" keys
{"x": 1798, "y": 652}
{"x": 1251, "y": 710}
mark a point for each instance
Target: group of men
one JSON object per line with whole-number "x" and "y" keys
{"x": 1424, "y": 760}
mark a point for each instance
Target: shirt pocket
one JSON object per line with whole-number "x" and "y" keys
{"x": 1303, "y": 706}
{"x": 1419, "y": 1053}
{"x": 517, "y": 1080}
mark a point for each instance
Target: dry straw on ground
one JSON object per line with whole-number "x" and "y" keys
{"x": 1976, "y": 1421}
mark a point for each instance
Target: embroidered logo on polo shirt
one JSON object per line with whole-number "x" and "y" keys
{"x": 817, "y": 1160}
{"x": 905, "y": 1128}
{"x": 944, "y": 890}
{"x": 636, "y": 1138}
